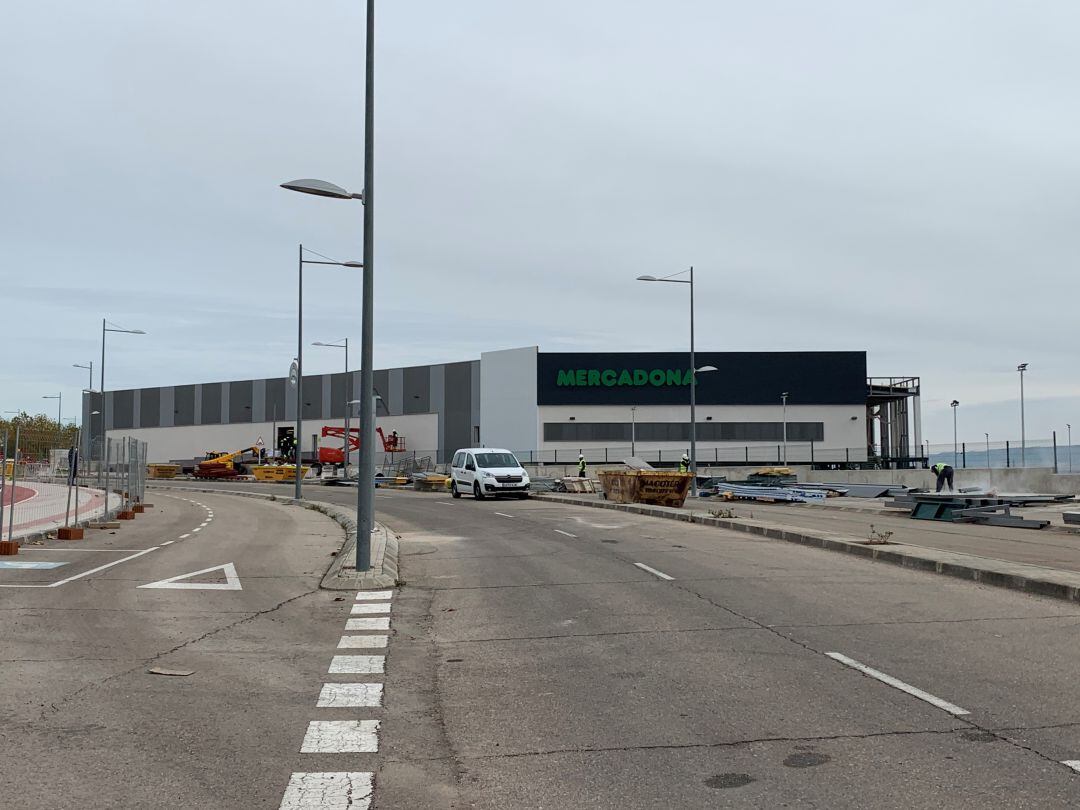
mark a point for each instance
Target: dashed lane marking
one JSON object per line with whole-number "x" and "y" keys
{"x": 341, "y": 737}
{"x": 653, "y": 571}
{"x": 19, "y": 564}
{"x": 370, "y": 607}
{"x": 58, "y": 583}
{"x": 896, "y": 683}
{"x": 350, "y": 695}
{"x": 357, "y": 665}
{"x": 503, "y": 514}
{"x": 168, "y": 542}
{"x": 375, "y": 596}
{"x": 362, "y": 642}
{"x": 382, "y": 623}
{"x": 184, "y": 537}
{"x": 444, "y": 503}
{"x": 339, "y": 790}
{"x": 560, "y": 531}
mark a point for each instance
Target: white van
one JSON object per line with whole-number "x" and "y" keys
{"x": 484, "y": 471}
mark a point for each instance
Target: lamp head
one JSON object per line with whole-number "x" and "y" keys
{"x": 646, "y": 278}
{"x": 954, "y": 403}
{"x": 320, "y": 188}
{"x": 1022, "y": 367}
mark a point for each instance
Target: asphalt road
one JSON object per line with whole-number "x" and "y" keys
{"x": 535, "y": 663}
{"x": 82, "y": 722}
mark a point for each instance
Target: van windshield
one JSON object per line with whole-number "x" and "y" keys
{"x": 496, "y": 460}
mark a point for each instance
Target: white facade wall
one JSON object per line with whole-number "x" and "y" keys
{"x": 508, "y": 410}
{"x": 421, "y": 432}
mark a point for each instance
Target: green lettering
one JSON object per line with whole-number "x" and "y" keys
{"x": 608, "y": 377}
{"x": 594, "y": 377}
{"x": 688, "y": 378}
{"x": 625, "y": 378}
{"x": 565, "y": 378}
{"x": 674, "y": 377}
{"x": 581, "y": 377}
{"x": 641, "y": 376}
{"x": 657, "y": 378}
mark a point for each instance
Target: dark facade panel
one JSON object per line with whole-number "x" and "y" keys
{"x": 381, "y": 383}
{"x": 184, "y": 405}
{"x": 122, "y": 414}
{"x": 583, "y": 432}
{"x": 210, "y": 413}
{"x": 338, "y": 395}
{"x": 661, "y": 378}
{"x": 312, "y": 397}
{"x": 416, "y": 390}
{"x": 149, "y": 407}
{"x": 457, "y": 399}
{"x": 275, "y": 400}
{"x": 240, "y": 401}
{"x": 587, "y": 432}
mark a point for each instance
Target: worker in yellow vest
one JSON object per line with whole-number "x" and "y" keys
{"x": 581, "y": 465}
{"x": 684, "y": 463}
{"x": 944, "y": 474}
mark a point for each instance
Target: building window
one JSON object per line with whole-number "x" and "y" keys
{"x": 582, "y": 432}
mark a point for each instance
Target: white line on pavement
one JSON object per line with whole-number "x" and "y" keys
{"x": 560, "y": 531}
{"x": 897, "y": 684}
{"x": 361, "y": 642}
{"x": 375, "y": 595}
{"x": 185, "y": 536}
{"x": 503, "y": 514}
{"x": 168, "y": 542}
{"x": 1071, "y": 763}
{"x": 197, "y": 530}
{"x": 357, "y": 665}
{"x": 350, "y": 695}
{"x": 444, "y": 503}
{"x": 367, "y": 607}
{"x": 341, "y": 737}
{"x": 653, "y": 571}
{"x": 85, "y": 573}
{"x": 329, "y": 791}
{"x": 382, "y": 623}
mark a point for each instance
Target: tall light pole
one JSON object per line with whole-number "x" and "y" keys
{"x": 344, "y": 344}
{"x": 783, "y": 399}
{"x": 1069, "y": 428}
{"x": 1023, "y": 435}
{"x": 59, "y": 397}
{"x": 90, "y": 367}
{"x": 365, "y": 492}
{"x": 693, "y": 369}
{"x": 108, "y": 327}
{"x": 988, "y": 464}
{"x": 954, "y": 405}
{"x": 633, "y": 431}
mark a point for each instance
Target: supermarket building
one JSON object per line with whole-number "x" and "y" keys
{"x": 548, "y": 407}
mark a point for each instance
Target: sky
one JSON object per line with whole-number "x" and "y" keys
{"x": 899, "y": 177}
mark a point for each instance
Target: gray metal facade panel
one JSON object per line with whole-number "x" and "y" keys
{"x": 416, "y": 390}
{"x": 313, "y": 397}
{"x": 281, "y": 396}
{"x": 198, "y": 404}
{"x": 437, "y": 386}
{"x": 327, "y": 395}
{"x": 474, "y": 370}
{"x": 211, "y": 404}
{"x": 136, "y": 407}
{"x": 395, "y": 386}
{"x": 457, "y": 396}
{"x": 338, "y": 396}
{"x": 258, "y": 401}
{"x": 121, "y": 410}
{"x": 241, "y": 399}
{"x": 224, "y": 414}
{"x": 150, "y": 407}
{"x": 184, "y": 405}
{"x": 381, "y": 382}
{"x": 167, "y": 404}
{"x": 108, "y": 412}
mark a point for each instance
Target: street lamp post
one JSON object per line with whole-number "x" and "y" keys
{"x": 348, "y": 393}
{"x": 108, "y": 327}
{"x": 89, "y": 366}
{"x": 1069, "y": 428}
{"x": 1023, "y": 435}
{"x": 954, "y": 405}
{"x": 59, "y": 397}
{"x": 988, "y": 464}
{"x": 783, "y": 399}
{"x": 693, "y": 369}
{"x": 633, "y": 431}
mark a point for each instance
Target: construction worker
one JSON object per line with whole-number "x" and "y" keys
{"x": 684, "y": 463}
{"x": 944, "y": 475}
{"x": 581, "y": 465}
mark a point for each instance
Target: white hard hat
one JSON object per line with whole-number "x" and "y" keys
{"x": 686, "y": 456}
{"x": 581, "y": 455}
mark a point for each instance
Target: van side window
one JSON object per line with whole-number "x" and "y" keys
{"x": 457, "y": 459}
{"x": 469, "y": 463}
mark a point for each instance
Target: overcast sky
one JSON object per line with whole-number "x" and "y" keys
{"x": 900, "y": 177}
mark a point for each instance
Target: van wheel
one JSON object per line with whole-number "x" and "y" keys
{"x": 454, "y": 490}
{"x": 477, "y": 492}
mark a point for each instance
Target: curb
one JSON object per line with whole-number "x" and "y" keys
{"x": 384, "y": 543}
{"x": 1052, "y": 582}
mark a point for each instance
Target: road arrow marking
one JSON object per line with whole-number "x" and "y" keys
{"x": 232, "y": 582}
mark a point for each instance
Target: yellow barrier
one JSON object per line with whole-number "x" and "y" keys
{"x": 275, "y": 472}
{"x": 162, "y": 470}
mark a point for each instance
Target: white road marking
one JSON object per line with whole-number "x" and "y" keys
{"x": 168, "y": 542}
{"x": 444, "y": 503}
{"x": 341, "y": 737}
{"x": 197, "y": 530}
{"x": 503, "y": 514}
{"x": 19, "y": 564}
{"x": 366, "y": 624}
{"x": 375, "y": 595}
{"x": 204, "y": 523}
{"x": 184, "y": 536}
{"x": 361, "y": 642}
{"x": 232, "y": 581}
{"x": 560, "y": 531}
{"x": 1071, "y": 763}
{"x": 897, "y": 684}
{"x": 357, "y": 665}
{"x": 365, "y": 607}
{"x": 653, "y": 571}
{"x": 85, "y": 573}
{"x": 328, "y": 791}
{"x": 350, "y": 695}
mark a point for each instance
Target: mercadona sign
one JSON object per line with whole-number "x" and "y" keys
{"x": 612, "y": 378}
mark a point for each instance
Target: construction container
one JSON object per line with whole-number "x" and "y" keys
{"x": 432, "y": 483}
{"x": 577, "y": 484}
{"x": 278, "y": 472}
{"x": 162, "y": 470}
{"x": 654, "y": 487}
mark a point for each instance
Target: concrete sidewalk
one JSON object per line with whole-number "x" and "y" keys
{"x": 1037, "y": 562}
